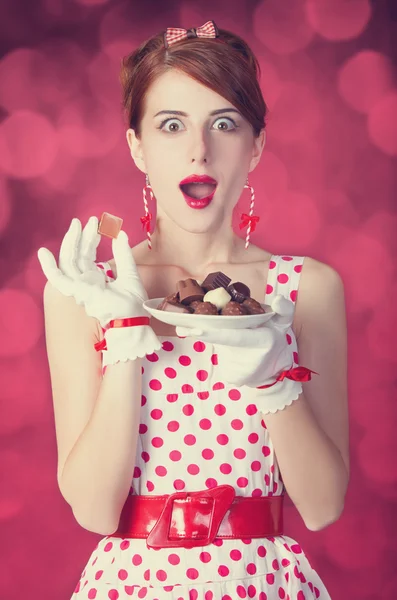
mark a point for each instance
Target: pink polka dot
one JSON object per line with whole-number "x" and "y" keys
{"x": 218, "y": 386}
{"x": 113, "y": 594}
{"x": 143, "y": 400}
{"x": 152, "y": 357}
{"x": 136, "y": 560}
{"x": 184, "y": 361}
{"x": 298, "y": 268}
{"x": 208, "y": 595}
{"x": 242, "y": 482}
{"x": 251, "y": 591}
{"x": 125, "y": 543}
{"x": 251, "y": 569}
{"x": 110, "y": 273}
{"x": 293, "y": 295}
{"x": 241, "y": 591}
{"x": 287, "y": 258}
{"x": 253, "y": 438}
{"x": 168, "y": 346}
{"x": 205, "y": 557}
{"x": 211, "y": 482}
{"x": 301, "y": 596}
{"x": 155, "y": 385}
{"x": 272, "y": 264}
{"x": 137, "y": 472}
{"x": 234, "y": 395}
{"x": 142, "y": 592}
{"x": 222, "y": 439}
{"x": 275, "y": 564}
{"x": 207, "y": 453}
{"x": 289, "y": 339}
{"x": 296, "y": 549}
{"x": 265, "y": 450}
{"x": 108, "y": 547}
{"x": 256, "y": 465}
{"x": 161, "y": 575}
{"x": 214, "y": 359}
{"x": 235, "y": 555}
{"x": 199, "y": 346}
{"x": 251, "y": 409}
{"x": 281, "y": 593}
{"x": 295, "y": 357}
{"x": 202, "y": 375}
{"x": 122, "y": 574}
{"x": 172, "y": 397}
{"x": 156, "y": 413}
{"x": 179, "y": 484}
{"x": 169, "y": 372}
{"x": 203, "y": 395}
{"x": 174, "y": 559}
{"x": 92, "y": 593}
{"x": 193, "y": 594}
{"x": 270, "y": 578}
{"x": 173, "y": 426}
{"x": 192, "y": 573}
{"x": 269, "y": 289}
{"x": 129, "y": 589}
{"x": 282, "y": 278}
{"x": 219, "y": 409}
{"x": 193, "y": 469}
{"x": 187, "y": 389}
{"x": 225, "y": 468}
{"x": 285, "y": 562}
{"x": 256, "y": 492}
{"x": 205, "y": 424}
{"x": 161, "y": 471}
{"x": 239, "y": 453}
{"x": 157, "y": 442}
{"x": 262, "y": 551}
{"x": 149, "y": 486}
{"x": 223, "y": 571}
{"x": 98, "y": 575}
{"x": 189, "y": 439}
{"x": 188, "y": 410}
{"x": 146, "y": 575}
{"x": 175, "y": 455}
{"x": 237, "y": 424}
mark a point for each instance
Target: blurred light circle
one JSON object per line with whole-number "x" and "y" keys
{"x": 282, "y": 26}
{"x": 28, "y": 145}
{"x": 270, "y": 81}
{"x": 119, "y": 32}
{"x": 338, "y": 19}
{"x": 103, "y": 77}
{"x": 382, "y": 124}
{"x": 274, "y": 181}
{"x": 296, "y": 114}
{"x": 384, "y": 321}
{"x": 364, "y": 79}
{"x": 16, "y": 90}
{"x": 21, "y": 322}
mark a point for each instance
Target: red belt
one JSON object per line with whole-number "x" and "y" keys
{"x": 191, "y": 519}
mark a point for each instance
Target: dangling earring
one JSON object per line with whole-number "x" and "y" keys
{"x": 251, "y": 220}
{"x": 148, "y": 216}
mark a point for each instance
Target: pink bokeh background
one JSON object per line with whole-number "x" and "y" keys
{"x": 325, "y": 188}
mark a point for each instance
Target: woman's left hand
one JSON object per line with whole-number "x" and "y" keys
{"x": 252, "y": 357}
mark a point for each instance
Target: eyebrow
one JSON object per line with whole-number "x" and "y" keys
{"x": 183, "y": 114}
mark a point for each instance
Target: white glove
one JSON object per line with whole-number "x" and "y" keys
{"x": 255, "y": 357}
{"x": 79, "y": 276}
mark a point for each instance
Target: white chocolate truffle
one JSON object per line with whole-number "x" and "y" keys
{"x": 220, "y": 297}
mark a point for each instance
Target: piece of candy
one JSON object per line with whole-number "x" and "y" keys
{"x": 176, "y": 307}
{"x": 239, "y": 291}
{"x": 189, "y": 290}
{"x": 193, "y": 305}
{"x": 253, "y": 307}
{"x": 206, "y": 308}
{"x": 233, "y": 309}
{"x": 215, "y": 280}
{"x": 109, "y": 225}
{"x": 219, "y": 297}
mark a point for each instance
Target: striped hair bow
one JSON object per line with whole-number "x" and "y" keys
{"x": 177, "y": 34}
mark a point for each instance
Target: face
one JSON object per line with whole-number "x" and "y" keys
{"x": 189, "y": 129}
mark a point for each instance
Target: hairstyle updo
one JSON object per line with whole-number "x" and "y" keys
{"x": 225, "y": 64}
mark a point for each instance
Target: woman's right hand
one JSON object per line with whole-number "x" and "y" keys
{"x": 78, "y": 275}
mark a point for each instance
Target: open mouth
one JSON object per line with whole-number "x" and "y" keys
{"x": 198, "y": 191}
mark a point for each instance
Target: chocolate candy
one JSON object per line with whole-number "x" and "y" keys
{"x": 215, "y": 280}
{"x": 253, "y": 307}
{"x": 171, "y": 306}
{"x": 206, "y": 308}
{"x": 219, "y": 297}
{"x": 233, "y": 309}
{"x": 189, "y": 290}
{"x": 109, "y": 225}
{"x": 193, "y": 305}
{"x": 239, "y": 291}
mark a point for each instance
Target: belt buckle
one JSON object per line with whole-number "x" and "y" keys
{"x": 219, "y": 498}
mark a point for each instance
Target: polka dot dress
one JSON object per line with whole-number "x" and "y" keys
{"x": 197, "y": 432}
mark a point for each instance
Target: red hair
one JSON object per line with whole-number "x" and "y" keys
{"x": 229, "y": 68}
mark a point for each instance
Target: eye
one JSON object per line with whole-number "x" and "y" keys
{"x": 171, "y": 125}
{"x": 226, "y": 123}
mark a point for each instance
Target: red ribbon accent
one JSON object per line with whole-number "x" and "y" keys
{"x": 297, "y": 374}
{"x": 146, "y": 221}
{"x": 246, "y": 220}
{"x": 128, "y": 322}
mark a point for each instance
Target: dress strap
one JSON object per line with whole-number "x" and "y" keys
{"x": 283, "y": 277}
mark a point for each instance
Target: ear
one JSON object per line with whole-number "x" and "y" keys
{"x": 258, "y": 146}
{"x": 136, "y": 149}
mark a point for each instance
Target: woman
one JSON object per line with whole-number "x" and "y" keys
{"x": 222, "y": 413}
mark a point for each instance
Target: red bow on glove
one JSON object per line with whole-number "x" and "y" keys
{"x": 297, "y": 374}
{"x": 247, "y": 219}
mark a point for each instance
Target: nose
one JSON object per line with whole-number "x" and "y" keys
{"x": 199, "y": 149}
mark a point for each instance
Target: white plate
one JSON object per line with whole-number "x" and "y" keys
{"x": 207, "y": 321}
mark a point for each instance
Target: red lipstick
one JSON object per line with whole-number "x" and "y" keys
{"x": 200, "y": 179}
